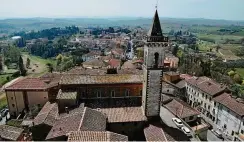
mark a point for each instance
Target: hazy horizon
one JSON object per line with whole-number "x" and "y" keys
{"x": 185, "y": 9}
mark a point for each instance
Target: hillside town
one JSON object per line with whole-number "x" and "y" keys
{"x": 121, "y": 86}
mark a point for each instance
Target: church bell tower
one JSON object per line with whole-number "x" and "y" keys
{"x": 154, "y": 54}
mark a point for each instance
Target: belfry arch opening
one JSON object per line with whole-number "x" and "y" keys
{"x": 156, "y": 56}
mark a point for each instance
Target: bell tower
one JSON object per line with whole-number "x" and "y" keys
{"x": 154, "y": 54}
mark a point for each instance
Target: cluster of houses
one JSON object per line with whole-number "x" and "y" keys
{"x": 90, "y": 103}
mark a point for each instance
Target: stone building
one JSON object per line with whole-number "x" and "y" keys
{"x": 105, "y": 90}
{"x": 26, "y": 93}
{"x": 153, "y": 68}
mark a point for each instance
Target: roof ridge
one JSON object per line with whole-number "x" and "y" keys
{"x": 82, "y": 118}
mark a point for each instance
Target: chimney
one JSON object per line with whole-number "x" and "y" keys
{"x": 67, "y": 110}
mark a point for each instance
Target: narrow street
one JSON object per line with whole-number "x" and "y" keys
{"x": 212, "y": 137}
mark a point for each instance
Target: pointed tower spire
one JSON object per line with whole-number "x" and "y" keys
{"x": 156, "y": 27}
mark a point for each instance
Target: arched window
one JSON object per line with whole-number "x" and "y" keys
{"x": 156, "y": 56}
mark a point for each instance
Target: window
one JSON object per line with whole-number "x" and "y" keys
{"x": 156, "y": 56}
{"x": 232, "y": 133}
{"x": 214, "y": 103}
{"x": 242, "y": 131}
{"x": 13, "y": 105}
{"x": 210, "y": 99}
{"x": 12, "y": 98}
{"x": 99, "y": 94}
{"x": 113, "y": 93}
{"x": 127, "y": 92}
{"x": 45, "y": 97}
{"x": 205, "y": 105}
{"x": 208, "y": 107}
{"x": 140, "y": 92}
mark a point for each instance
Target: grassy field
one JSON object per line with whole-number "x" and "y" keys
{"x": 37, "y": 65}
{"x": 240, "y": 71}
{"x": 3, "y": 101}
{"x": 219, "y": 37}
{"x": 205, "y": 46}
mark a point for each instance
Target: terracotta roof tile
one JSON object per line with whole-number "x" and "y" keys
{"x": 47, "y": 115}
{"x": 28, "y": 84}
{"x": 114, "y": 63}
{"x": 81, "y": 118}
{"x": 181, "y": 109}
{"x": 101, "y": 79}
{"x": 207, "y": 85}
{"x": 66, "y": 95}
{"x": 128, "y": 65}
{"x": 124, "y": 114}
{"x": 96, "y": 136}
{"x": 93, "y": 121}
{"x": 154, "y": 133}
{"x": 10, "y": 132}
{"x": 231, "y": 103}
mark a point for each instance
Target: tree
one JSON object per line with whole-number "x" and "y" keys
{"x": 175, "y": 50}
{"x": 27, "y": 63}
{"x": 22, "y": 67}
{"x": 237, "y": 78}
{"x": 50, "y": 67}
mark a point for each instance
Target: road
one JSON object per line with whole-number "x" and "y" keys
{"x": 212, "y": 137}
{"x": 130, "y": 55}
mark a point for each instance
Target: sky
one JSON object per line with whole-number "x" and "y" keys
{"x": 209, "y": 9}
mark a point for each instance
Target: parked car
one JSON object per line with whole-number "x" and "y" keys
{"x": 218, "y": 133}
{"x": 177, "y": 122}
{"x": 186, "y": 131}
{"x": 4, "y": 112}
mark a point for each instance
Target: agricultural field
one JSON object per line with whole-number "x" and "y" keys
{"x": 219, "y": 38}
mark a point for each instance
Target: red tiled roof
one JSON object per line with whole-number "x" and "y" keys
{"x": 114, "y": 63}
{"x": 124, "y": 114}
{"x": 96, "y": 136}
{"x": 181, "y": 109}
{"x": 154, "y": 133}
{"x": 207, "y": 85}
{"x": 231, "y": 103}
{"x": 47, "y": 115}
{"x": 128, "y": 65}
{"x": 78, "y": 119}
{"x": 28, "y": 84}
{"x": 185, "y": 76}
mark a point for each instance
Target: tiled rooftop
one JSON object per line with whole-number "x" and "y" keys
{"x": 47, "y": 115}
{"x": 231, "y": 103}
{"x": 124, "y": 114}
{"x": 81, "y": 118}
{"x": 28, "y": 84}
{"x": 65, "y": 124}
{"x": 10, "y": 132}
{"x": 206, "y": 84}
{"x": 101, "y": 79}
{"x": 66, "y": 95}
{"x": 96, "y": 136}
{"x": 154, "y": 133}
{"x": 181, "y": 109}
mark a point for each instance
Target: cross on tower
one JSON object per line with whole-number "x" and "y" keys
{"x": 156, "y": 5}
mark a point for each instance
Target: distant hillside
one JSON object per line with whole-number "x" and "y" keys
{"x": 13, "y": 25}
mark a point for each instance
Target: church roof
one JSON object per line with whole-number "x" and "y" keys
{"x": 156, "y": 27}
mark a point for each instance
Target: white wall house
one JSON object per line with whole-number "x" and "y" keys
{"x": 230, "y": 115}
{"x": 200, "y": 94}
